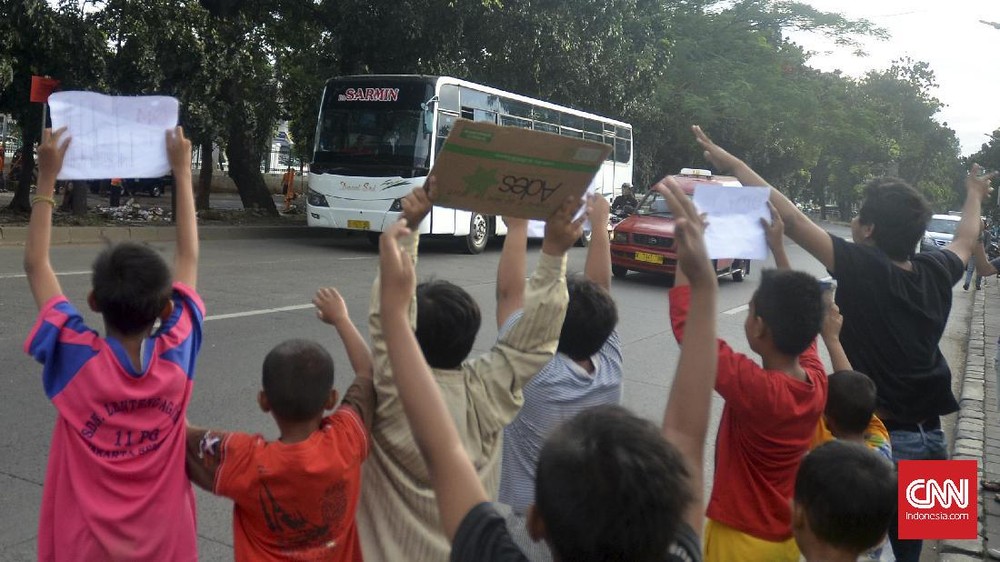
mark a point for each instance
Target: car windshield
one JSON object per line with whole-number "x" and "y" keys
{"x": 943, "y": 226}
{"x": 654, "y": 205}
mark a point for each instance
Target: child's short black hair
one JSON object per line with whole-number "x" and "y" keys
{"x": 298, "y": 377}
{"x": 791, "y": 304}
{"x": 850, "y": 401}
{"x": 590, "y": 317}
{"x": 848, "y": 493}
{"x": 132, "y": 285}
{"x": 448, "y": 320}
{"x": 609, "y": 487}
{"x": 899, "y": 214}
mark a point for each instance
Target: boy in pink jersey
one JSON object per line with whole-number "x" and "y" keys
{"x": 115, "y": 487}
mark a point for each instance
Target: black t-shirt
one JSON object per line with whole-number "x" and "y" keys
{"x": 483, "y": 537}
{"x": 893, "y": 322}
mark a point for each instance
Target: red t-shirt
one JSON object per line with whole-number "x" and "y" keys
{"x": 296, "y": 502}
{"x": 767, "y": 425}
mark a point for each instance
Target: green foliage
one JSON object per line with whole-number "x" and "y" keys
{"x": 238, "y": 66}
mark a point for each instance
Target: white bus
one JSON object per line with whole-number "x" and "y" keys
{"x": 378, "y": 135}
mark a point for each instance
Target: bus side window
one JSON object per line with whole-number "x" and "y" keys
{"x": 445, "y": 122}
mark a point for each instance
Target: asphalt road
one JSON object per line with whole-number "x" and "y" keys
{"x": 257, "y": 293}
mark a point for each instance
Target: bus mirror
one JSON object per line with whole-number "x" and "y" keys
{"x": 426, "y": 106}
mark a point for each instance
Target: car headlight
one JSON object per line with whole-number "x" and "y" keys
{"x": 619, "y": 237}
{"x": 316, "y": 199}
{"x": 397, "y": 206}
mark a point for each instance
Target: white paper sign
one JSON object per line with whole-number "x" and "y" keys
{"x": 734, "y": 213}
{"x": 114, "y": 136}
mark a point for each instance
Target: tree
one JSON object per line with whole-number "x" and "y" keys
{"x": 40, "y": 40}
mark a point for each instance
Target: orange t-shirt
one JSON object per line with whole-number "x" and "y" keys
{"x": 296, "y": 502}
{"x": 288, "y": 180}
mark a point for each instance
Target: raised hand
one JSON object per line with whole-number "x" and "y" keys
{"x": 51, "y": 153}
{"x": 330, "y": 306}
{"x": 979, "y": 182}
{"x": 833, "y": 321}
{"x": 419, "y": 202}
{"x": 561, "y": 231}
{"x": 689, "y": 234}
{"x": 775, "y": 229}
{"x": 721, "y": 159}
{"x": 398, "y": 278}
{"x": 599, "y": 211}
{"x": 178, "y": 151}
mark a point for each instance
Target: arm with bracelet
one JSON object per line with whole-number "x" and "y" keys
{"x": 41, "y": 277}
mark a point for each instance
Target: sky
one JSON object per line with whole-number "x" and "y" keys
{"x": 963, "y": 53}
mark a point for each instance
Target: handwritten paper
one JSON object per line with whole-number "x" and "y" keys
{"x": 734, "y": 213}
{"x": 114, "y": 136}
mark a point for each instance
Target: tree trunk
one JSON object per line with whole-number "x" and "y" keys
{"x": 21, "y": 202}
{"x": 201, "y": 201}
{"x": 78, "y": 198}
{"x": 244, "y": 168}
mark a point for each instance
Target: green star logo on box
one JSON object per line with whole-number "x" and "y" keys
{"x": 480, "y": 181}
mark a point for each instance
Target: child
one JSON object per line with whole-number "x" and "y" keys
{"x": 770, "y": 414}
{"x": 845, "y": 498}
{"x": 850, "y": 403}
{"x": 608, "y": 486}
{"x": 397, "y": 517}
{"x": 587, "y": 368}
{"x": 115, "y": 487}
{"x": 294, "y": 498}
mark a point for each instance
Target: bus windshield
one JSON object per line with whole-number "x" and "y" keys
{"x": 366, "y": 126}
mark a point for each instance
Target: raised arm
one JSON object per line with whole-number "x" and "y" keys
{"x": 41, "y": 277}
{"x": 798, "y": 226}
{"x": 511, "y": 269}
{"x": 775, "y": 231}
{"x": 331, "y": 309}
{"x": 186, "y": 256}
{"x": 530, "y": 343}
{"x": 983, "y": 265}
{"x": 415, "y": 205}
{"x": 832, "y": 323}
{"x": 453, "y": 477}
{"x": 598, "y": 266}
{"x": 685, "y": 420}
{"x": 977, "y": 189}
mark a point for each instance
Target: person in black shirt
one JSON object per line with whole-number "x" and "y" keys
{"x": 610, "y": 485}
{"x": 895, "y": 304}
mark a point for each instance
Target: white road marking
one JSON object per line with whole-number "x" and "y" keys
{"x": 22, "y": 275}
{"x": 738, "y": 309}
{"x": 258, "y": 312}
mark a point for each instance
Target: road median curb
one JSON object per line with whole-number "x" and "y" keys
{"x": 17, "y": 235}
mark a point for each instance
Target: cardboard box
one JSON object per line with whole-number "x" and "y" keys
{"x": 515, "y": 172}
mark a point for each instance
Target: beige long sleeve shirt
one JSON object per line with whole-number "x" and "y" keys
{"x": 397, "y": 515}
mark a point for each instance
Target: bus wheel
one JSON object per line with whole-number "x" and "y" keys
{"x": 373, "y": 238}
{"x": 584, "y": 239}
{"x": 479, "y": 234}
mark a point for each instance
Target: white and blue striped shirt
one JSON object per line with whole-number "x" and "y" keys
{"x": 560, "y": 391}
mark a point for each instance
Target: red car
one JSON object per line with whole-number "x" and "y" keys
{"x": 645, "y": 240}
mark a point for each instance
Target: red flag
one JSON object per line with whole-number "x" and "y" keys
{"x": 41, "y": 87}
